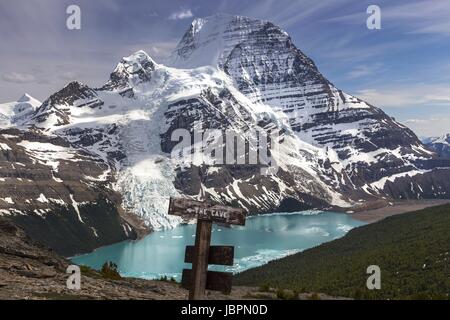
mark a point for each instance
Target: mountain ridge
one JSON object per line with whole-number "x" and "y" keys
{"x": 441, "y": 145}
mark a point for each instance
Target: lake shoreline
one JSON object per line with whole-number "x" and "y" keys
{"x": 383, "y": 209}
{"x": 368, "y": 213}
{"x": 264, "y": 238}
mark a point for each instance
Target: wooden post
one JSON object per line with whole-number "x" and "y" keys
{"x": 200, "y": 263}
{"x": 197, "y": 279}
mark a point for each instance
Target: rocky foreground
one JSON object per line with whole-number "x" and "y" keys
{"x": 30, "y": 271}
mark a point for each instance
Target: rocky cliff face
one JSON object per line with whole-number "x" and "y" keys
{"x": 59, "y": 194}
{"x": 227, "y": 75}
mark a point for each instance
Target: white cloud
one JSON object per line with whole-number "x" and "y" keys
{"x": 68, "y": 75}
{"x": 353, "y": 53}
{"x": 17, "y": 77}
{"x": 182, "y": 14}
{"x": 441, "y": 28}
{"x": 433, "y": 99}
{"x": 158, "y": 50}
{"x": 433, "y": 127}
{"x": 407, "y": 96}
{"x": 288, "y": 13}
{"x": 426, "y": 16}
{"x": 161, "y": 50}
{"x": 364, "y": 70}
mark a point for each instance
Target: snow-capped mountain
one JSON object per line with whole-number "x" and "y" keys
{"x": 441, "y": 145}
{"x": 13, "y": 113}
{"x": 355, "y": 145}
{"x": 227, "y": 73}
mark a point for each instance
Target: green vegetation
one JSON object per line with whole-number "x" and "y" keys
{"x": 287, "y": 294}
{"x": 89, "y": 272}
{"x": 314, "y": 296}
{"x": 166, "y": 279}
{"x": 109, "y": 271}
{"x": 264, "y": 288}
{"x": 412, "y": 250}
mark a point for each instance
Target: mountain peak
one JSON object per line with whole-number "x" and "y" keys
{"x": 75, "y": 84}
{"x": 217, "y": 19}
{"x": 209, "y": 40}
{"x": 445, "y": 139}
{"x": 73, "y": 91}
{"x": 139, "y": 57}
{"x": 17, "y": 112}
{"x": 25, "y": 98}
{"x": 131, "y": 71}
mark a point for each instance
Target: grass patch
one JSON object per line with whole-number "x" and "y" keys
{"x": 167, "y": 279}
{"x": 109, "y": 271}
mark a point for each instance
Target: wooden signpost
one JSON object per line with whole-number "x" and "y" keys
{"x": 199, "y": 278}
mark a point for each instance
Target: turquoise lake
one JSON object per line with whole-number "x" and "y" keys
{"x": 263, "y": 238}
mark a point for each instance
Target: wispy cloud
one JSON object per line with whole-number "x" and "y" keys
{"x": 158, "y": 50}
{"x": 161, "y": 50}
{"x": 439, "y": 28}
{"x": 16, "y": 77}
{"x": 425, "y": 16}
{"x": 288, "y": 13}
{"x": 432, "y": 127}
{"x": 416, "y": 95}
{"x": 68, "y": 75}
{"x": 356, "y": 53}
{"x": 181, "y": 14}
{"x": 364, "y": 70}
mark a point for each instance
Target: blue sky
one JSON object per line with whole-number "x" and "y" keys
{"x": 404, "y": 68}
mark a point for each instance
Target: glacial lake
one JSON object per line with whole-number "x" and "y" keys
{"x": 263, "y": 238}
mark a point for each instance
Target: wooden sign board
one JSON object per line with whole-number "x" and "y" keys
{"x": 221, "y": 255}
{"x": 217, "y": 281}
{"x": 189, "y": 208}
